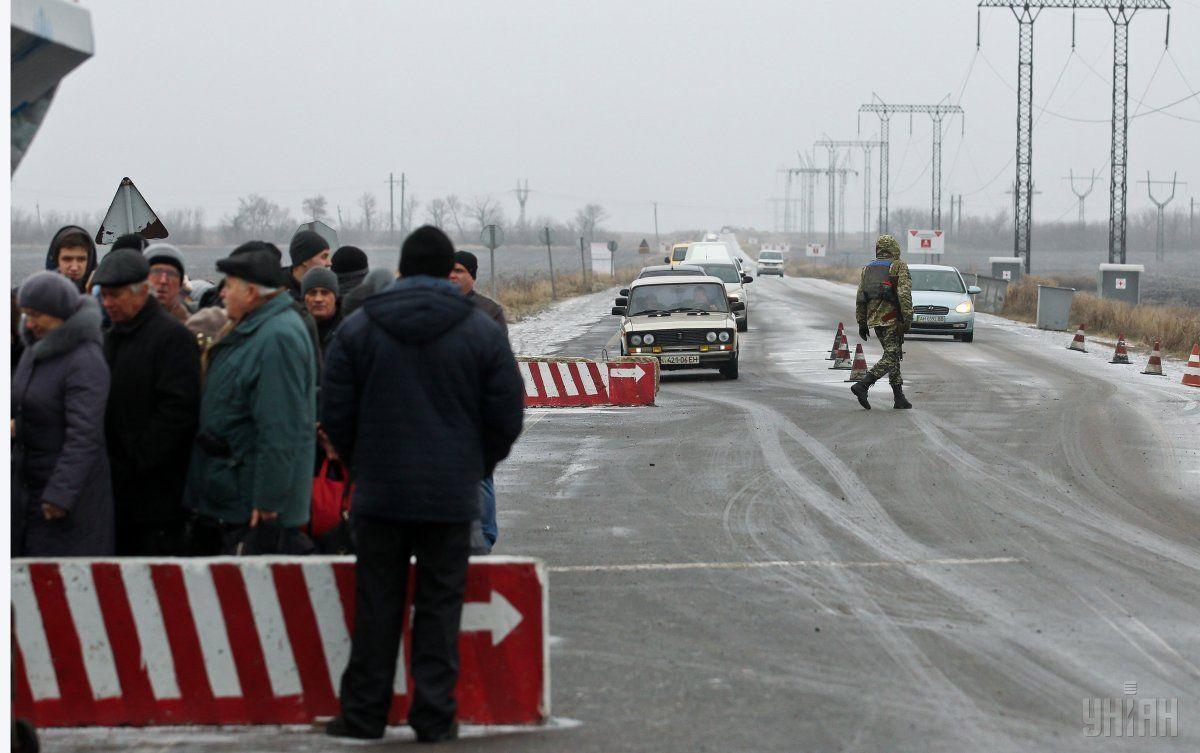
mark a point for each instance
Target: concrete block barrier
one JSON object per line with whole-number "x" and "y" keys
{"x": 258, "y": 640}
{"x": 570, "y": 382}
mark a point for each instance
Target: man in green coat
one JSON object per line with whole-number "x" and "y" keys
{"x": 252, "y": 461}
{"x": 884, "y": 302}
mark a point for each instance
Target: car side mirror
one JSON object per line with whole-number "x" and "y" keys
{"x": 747, "y": 279}
{"x": 974, "y": 289}
{"x": 666, "y": 260}
{"x": 618, "y": 311}
{"x": 737, "y": 306}
{"x": 622, "y": 302}
{"x": 624, "y": 291}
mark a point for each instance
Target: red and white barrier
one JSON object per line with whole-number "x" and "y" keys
{"x": 254, "y": 640}
{"x": 563, "y": 383}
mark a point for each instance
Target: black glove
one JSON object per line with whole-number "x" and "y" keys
{"x": 863, "y": 332}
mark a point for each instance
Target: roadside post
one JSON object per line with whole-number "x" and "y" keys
{"x": 550, "y": 260}
{"x": 583, "y": 263}
{"x": 492, "y": 238}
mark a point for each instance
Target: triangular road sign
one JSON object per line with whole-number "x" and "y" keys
{"x": 129, "y": 213}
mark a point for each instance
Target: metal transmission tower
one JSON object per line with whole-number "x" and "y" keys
{"x": 1121, "y": 13}
{"x": 937, "y": 113}
{"x": 837, "y": 195}
{"x": 867, "y": 147}
{"x": 1081, "y": 196}
{"x": 1162, "y": 206}
{"x": 522, "y": 196}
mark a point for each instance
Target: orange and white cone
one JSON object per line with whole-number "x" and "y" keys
{"x": 1121, "y": 354}
{"x": 1077, "y": 343}
{"x": 1191, "y": 375}
{"x": 837, "y": 338}
{"x": 858, "y": 369}
{"x": 842, "y": 360}
{"x": 1154, "y": 365}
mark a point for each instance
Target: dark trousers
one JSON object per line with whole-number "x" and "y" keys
{"x": 380, "y": 590}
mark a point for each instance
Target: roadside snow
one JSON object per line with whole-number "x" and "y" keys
{"x": 544, "y": 332}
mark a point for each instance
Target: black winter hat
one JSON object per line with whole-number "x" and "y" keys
{"x": 124, "y": 266}
{"x": 319, "y": 277}
{"x": 349, "y": 259}
{"x": 468, "y": 260}
{"x": 427, "y": 251}
{"x": 257, "y": 265}
{"x": 305, "y": 245}
{"x": 130, "y": 240}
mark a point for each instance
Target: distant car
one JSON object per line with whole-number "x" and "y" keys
{"x": 735, "y": 285}
{"x": 685, "y": 321}
{"x": 678, "y": 254}
{"x": 942, "y": 302}
{"x": 661, "y": 270}
{"x": 770, "y": 262}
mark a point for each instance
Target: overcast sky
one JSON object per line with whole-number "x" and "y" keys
{"x": 619, "y": 102}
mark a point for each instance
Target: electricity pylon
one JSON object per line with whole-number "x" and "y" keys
{"x": 867, "y": 146}
{"x": 1081, "y": 196}
{"x": 1162, "y": 206}
{"x": 522, "y": 193}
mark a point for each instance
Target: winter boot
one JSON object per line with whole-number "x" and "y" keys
{"x": 901, "y": 400}
{"x": 860, "y": 389}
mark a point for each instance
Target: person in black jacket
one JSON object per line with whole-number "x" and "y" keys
{"x": 422, "y": 398}
{"x": 153, "y": 406}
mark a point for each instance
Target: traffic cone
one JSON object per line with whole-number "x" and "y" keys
{"x": 858, "y": 369}
{"x": 837, "y": 338}
{"x": 1154, "y": 365}
{"x": 1077, "y": 343}
{"x": 1121, "y": 354}
{"x": 842, "y": 356}
{"x": 1191, "y": 375}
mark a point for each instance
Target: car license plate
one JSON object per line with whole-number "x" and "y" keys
{"x": 681, "y": 360}
{"x": 928, "y": 318}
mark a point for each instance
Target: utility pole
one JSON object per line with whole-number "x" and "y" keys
{"x": 522, "y": 197}
{"x": 1162, "y": 206}
{"x": 392, "y": 205}
{"x": 583, "y": 270}
{"x": 403, "y": 218}
{"x": 936, "y": 112}
{"x": 1120, "y": 12}
{"x": 1016, "y": 194}
{"x": 657, "y": 244}
{"x": 1081, "y": 196}
{"x": 867, "y": 146}
{"x": 550, "y": 260}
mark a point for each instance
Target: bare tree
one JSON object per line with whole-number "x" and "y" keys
{"x": 486, "y": 211}
{"x": 455, "y": 206}
{"x": 438, "y": 213}
{"x": 315, "y": 207}
{"x": 257, "y": 217}
{"x": 411, "y": 203}
{"x": 588, "y": 219}
{"x": 367, "y": 204}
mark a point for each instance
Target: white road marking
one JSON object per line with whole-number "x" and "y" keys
{"x": 784, "y": 563}
{"x": 31, "y": 636}
{"x": 548, "y": 384}
{"x": 84, "y": 605}
{"x": 272, "y": 631}
{"x": 151, "y": 632}
{"x": 210, "y": 627}
{"x": 564, "y": 370}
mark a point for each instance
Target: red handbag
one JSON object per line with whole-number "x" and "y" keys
{"x": 331, "y": 492}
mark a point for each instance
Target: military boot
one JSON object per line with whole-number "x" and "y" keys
{"x": 901, "y": 400}
{"x": 860, "y": 388}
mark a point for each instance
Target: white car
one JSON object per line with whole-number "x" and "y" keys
{"x": 735, "y": 286}
{"x": 708, "y": 251}
{"x": 770, "y": 262}
{"x": 942, "y": 302}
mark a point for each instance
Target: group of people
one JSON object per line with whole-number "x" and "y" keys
{"x": 154, "y": 415}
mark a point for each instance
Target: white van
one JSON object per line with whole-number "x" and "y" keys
{"x": 708, "y": 251}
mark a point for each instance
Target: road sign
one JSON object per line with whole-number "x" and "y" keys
{"x": 815, "y": 249}
{"x": 927, "y": 242}
{"x": 1120, "y": 283}
{"x": 565, "y": 383}
{"x": 323, "y": 230}
{"x": 602, "y": 258}
{"x": 643, "y": 247}
{"x": 129, "y": 213}
{"x": 632, "y": 381}
{"x": 1006, "y": 274}
{"x": 492, "y": 237}
{"x": 256, "y": 640}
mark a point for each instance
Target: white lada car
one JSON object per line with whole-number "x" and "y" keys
{"x": 686, "y": 322}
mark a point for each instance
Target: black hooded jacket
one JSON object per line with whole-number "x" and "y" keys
{"x": 56, "y": 244}
{"x": 422, "y": 398}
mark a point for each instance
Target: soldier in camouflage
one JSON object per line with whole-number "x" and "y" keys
{"x": 884, "y": 302}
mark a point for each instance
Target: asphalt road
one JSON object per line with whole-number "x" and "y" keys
{"x": 761, "y": 565}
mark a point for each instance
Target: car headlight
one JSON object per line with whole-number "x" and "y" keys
{"x": 723, "y": 337}
{"x": 648, "y": 339}
{"x": 711, "y": 337}
{"x": 635, "y": 340}
{"x": 963, "y": 308}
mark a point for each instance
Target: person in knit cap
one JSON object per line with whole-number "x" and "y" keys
{"x": 152, "y": 406}
{"x": 351, "y": 266}
{"x": 167, "y": 275}
{"x": 307, "y": 249}
{"x": 321, "y": 296}
{"x": 62, "y": 502}
{"x": 466, "y": 269}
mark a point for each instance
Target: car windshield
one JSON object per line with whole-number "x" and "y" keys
{"x": 679, "y": 253}
{"x": 691, "y": 296}
{"x": 680, "y": 270}
{"x": 770, "y": 256}
{"x": 937, "y": 280}
{"x": 727, "y": 272}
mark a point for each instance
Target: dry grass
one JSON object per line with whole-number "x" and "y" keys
{"x": 1176, "y": 327}
{"x": 526, "y": 295}
{"x": 805, "y": 268}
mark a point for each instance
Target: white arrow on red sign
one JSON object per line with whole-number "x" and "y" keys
{"x": 636, "y": 373}
{"x": 497, "y": 616}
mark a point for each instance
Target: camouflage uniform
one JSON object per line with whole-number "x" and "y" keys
{"x": 889, "y": 323}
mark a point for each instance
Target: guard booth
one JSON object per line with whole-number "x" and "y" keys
{"x": 1008, "y": 268}
{"x": 1120, "y": 282}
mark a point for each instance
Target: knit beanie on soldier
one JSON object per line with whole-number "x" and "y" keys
{"x": 349, "y": 259}
{"x": 469, "y": 261}
{"x": 427, "y": 251}
{"x": 50, "y": 293}
{"x": 305, "y": 245}
{"x": 319, "y": 277}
